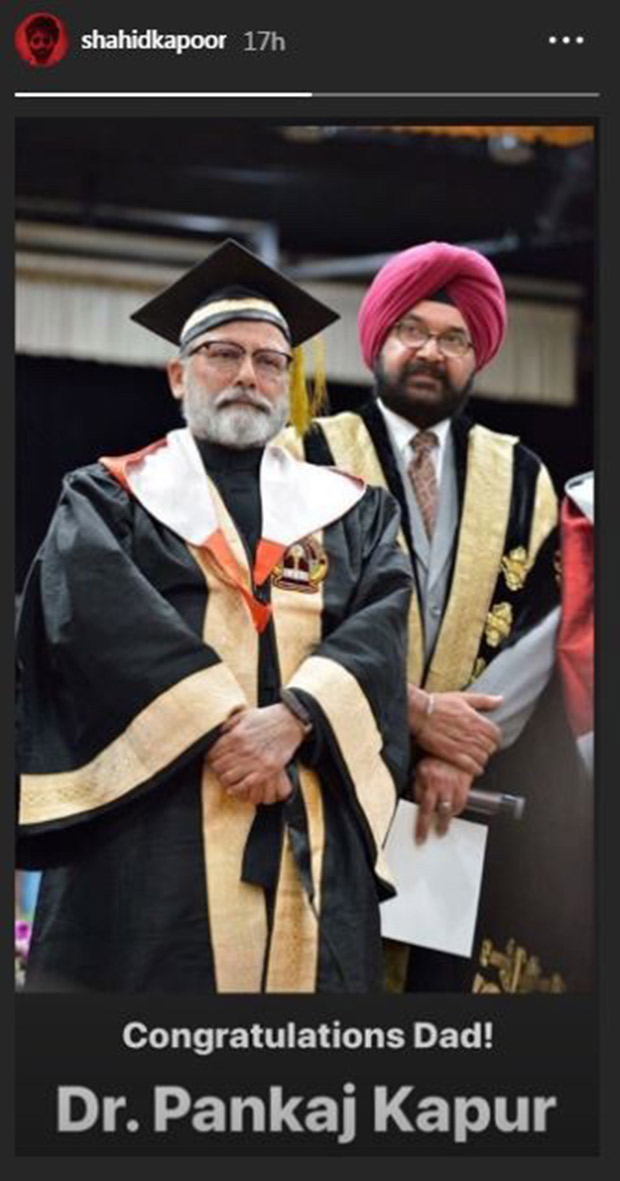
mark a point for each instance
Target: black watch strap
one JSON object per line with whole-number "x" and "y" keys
{"x": 294, "y": 705}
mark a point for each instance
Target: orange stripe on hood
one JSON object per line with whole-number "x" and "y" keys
{"x": 117, "y": 464}
{"x": 218, "y": 547}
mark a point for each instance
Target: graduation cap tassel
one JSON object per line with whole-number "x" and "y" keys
{"x": 319, "y": 390}
{"x": 301, "y": 416}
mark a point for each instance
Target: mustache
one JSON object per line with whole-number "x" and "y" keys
{"x": 247, "y": 396}
{"x": 423, "y": 369}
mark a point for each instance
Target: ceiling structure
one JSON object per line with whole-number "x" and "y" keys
{"x": 331, "y": 198}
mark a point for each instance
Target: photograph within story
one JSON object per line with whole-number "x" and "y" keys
{"x": 304, "y": 587}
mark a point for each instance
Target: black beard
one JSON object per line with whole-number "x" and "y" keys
{"x": 394, "y": 394}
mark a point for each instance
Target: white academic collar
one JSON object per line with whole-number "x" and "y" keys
{"x": 403, "y": 432}
{"x": 297, "y": 499}
{"x": 580, "y": 489}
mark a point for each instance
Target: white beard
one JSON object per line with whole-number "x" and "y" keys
{"x": 237, "y": 426}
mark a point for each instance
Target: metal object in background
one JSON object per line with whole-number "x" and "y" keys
{"x": 495, "y": 803}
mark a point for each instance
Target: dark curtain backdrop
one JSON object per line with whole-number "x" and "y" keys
{"x": 69, "y": 413}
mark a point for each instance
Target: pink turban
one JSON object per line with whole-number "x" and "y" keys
{"x": 467, "y": 278}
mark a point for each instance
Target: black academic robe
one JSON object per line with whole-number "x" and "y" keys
{"x": 136, "y": 641}
{"x": 535, "y": 922}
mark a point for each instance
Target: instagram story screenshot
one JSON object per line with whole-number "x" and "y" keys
{"x": 310, "y": 716}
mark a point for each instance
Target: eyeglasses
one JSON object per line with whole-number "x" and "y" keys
{"x": 451, "y": 344}
{"x": 226, "y": 358}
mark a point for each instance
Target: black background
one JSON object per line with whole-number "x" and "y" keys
{"x": 541, "y": 1046}
{"x": 332, "y": 49}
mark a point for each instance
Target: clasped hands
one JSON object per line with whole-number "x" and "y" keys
{"x": 254, "y": 747}
{"x": 458, "y": 740}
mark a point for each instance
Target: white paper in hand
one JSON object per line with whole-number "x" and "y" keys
{"x": 438, "y": 883}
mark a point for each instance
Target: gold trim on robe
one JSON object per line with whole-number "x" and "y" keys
{"x": 353, "y": 450}
{"x": 545, "y": 515}
{"x": 481, "y": 544}
{"x": 355, "y": 730}
{"x": 237, "y": 910}
{"x": 294, "y": 952}
{"x": 154, "y": 739}
{"x": 481, "y": 539}
{"x": 352, "y": 447}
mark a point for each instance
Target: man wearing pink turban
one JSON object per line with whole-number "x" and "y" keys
{"x": 462, "y": 277}
{"x": 479, "y": 519}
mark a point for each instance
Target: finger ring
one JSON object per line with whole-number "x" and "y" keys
{"x": 444, "y": 806}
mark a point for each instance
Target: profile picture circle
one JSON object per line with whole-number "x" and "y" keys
{"x": 41, "y": 39}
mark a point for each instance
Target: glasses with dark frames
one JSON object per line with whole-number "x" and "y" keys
{"x": 227, "y": 357}
{"x": 451, "y": 344}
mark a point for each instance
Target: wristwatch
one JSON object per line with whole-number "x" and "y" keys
{"x": 294, "y": 706}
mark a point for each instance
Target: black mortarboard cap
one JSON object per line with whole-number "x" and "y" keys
{"x": 229, "y": 272}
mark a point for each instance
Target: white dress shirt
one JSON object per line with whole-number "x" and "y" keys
{"x": 403, "y": 433}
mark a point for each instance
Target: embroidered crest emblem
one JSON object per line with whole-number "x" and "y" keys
{"x": 302, "y": 568}
{"x": 515, "y": 568}
{"x": 479, "y": 668}
{"x": 498, "y": 625}
{"x": 515, "y": 971}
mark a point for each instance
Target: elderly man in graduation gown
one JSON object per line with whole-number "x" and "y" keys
{"x": 213, "y": 692}
{"x": 479, "y": 519}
